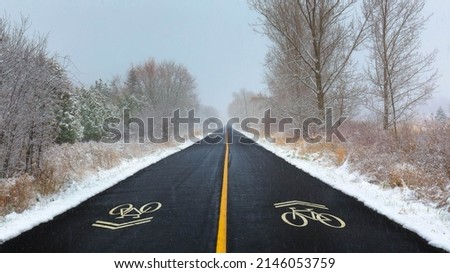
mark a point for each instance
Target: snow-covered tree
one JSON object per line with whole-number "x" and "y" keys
{"x": 400, "y": 76}
{"x": 31, "y": 82}
{"x": 310, "y": 60}
{"x": 95, "y": 108}
{"x": 68, "y": 117}
{"x": 155, "y": 89}
{"x": 130, "y": 96}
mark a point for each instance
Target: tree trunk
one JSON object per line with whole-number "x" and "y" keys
{"x": 385, "y": 69}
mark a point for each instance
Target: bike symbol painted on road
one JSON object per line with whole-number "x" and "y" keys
{"x": 300, "y": 211}
{"x": 124, "y": 212}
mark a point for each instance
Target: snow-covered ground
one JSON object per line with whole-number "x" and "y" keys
{"x": 47, "y": 208}
{"x": 398, "y": 204}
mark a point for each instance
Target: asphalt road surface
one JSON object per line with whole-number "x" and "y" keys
{"x": 176, "y": 205}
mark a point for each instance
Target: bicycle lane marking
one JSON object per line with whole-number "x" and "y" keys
{"x": 127, "y": 215}
{"x": 298, "y": 217}
{"x": 221, "y": 245}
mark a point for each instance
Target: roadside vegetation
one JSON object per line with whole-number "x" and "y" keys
{"x": 419, "y": 160}
{"x": 312, "y": 66}
{"x": 51, "y": 128}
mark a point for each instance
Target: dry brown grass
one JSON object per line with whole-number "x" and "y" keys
{"x": 4, "y": 198}
{"x": 341, "y": 155}
{"x": 47, "y": 182}
{"x": 17, "y": 195}
{"x": 65, "y": 163}
{"x": 396, "y": 178}
{"x": 419, "y": 159}
{"x": 336, "y": 153}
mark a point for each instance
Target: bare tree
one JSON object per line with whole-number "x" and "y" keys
{"x": 313, "y": 41}
{"x": 174, "y": 89}
{"x": 287, "y": 96}
{"x": 31, "y": 82}
{"x": 400, "y": 76}
{"x": 157, "y": 89}
{"x": 2, "y": 34}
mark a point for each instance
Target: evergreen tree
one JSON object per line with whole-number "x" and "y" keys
{"x": 68, "y": 117}
{"x": 94, "y": 109}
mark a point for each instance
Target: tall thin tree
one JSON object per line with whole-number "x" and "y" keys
{"x": 316, "y": 39}
{"x": 400, "y": 76}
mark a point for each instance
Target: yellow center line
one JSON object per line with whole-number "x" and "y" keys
{"x": 221, "y": 245}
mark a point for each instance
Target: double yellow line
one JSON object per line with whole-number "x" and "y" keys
{"x": 221, "y": 245}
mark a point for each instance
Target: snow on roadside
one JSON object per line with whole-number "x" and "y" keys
{"x": 398, "y": 204}
{"x": 77, "y": 192}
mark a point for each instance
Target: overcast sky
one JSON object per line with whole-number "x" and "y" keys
{"x": 214, "y": 39}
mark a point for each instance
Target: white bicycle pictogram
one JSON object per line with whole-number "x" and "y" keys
{"x": 128, "y": 210}
{"x": 300, "y": 217}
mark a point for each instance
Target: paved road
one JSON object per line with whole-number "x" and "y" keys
{"x": 173, "y": 206}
